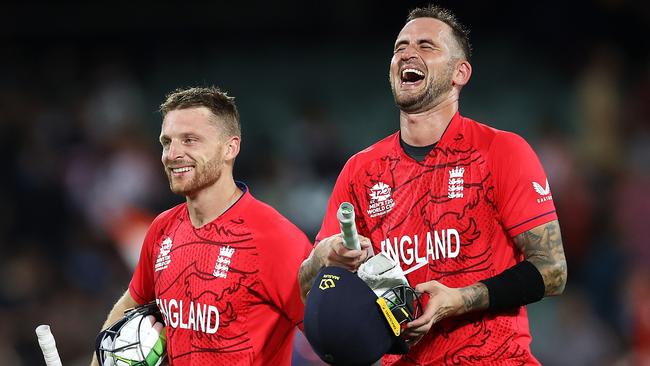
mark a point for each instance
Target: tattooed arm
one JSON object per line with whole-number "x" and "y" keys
{"x": 445, "y": 302}
{"x": 331, "y": 252}
{"x": 542, "y": 246}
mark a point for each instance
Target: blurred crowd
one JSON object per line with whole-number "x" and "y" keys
{"x": 79, "y": 127}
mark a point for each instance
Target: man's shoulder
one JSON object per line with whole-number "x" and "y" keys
{"x": 488, "y": 136}
{"x": 498, "y": 147}
{"x": 268, "y": 220}
{"x": 274, "y": 234}
{"x": 258, "y": 208}
{"x": 480, "y": 130}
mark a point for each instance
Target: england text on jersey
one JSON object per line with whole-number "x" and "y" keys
{"x": 405, "y": 249}
{"x": 201, "y": 317}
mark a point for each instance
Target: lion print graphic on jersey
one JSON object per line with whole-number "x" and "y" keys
{"x": 196, "y": 296}
{"x": 441, "y": 228}
{"x": 453, "y": 219}
{"x": 446, "y": 236}
{"x": 479, "y": 347}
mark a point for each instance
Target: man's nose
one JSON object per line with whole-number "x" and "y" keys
{"x": 408, "y": 52}
{"x": 174, "y": 151}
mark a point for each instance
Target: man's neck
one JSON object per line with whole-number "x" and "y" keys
{"x": 212, "y": 201}
{"x": 426, "y": 128}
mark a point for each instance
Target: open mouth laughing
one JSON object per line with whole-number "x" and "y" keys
{"x": 411, "y": 76}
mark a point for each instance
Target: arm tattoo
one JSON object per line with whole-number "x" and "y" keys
{"x": 475, "y": 297}
{"x": 306, "y": 274}
{"x": 542, "y": 246}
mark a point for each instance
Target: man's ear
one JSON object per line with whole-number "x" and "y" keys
{"x": 462, "y": 73}
{"x": 231, "y": 150}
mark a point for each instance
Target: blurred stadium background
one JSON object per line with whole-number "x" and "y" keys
{"x": 80, "y": 85}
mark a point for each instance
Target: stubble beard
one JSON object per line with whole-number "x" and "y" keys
{"x": 204, "y": 176}
{"x": 430, "y": 96}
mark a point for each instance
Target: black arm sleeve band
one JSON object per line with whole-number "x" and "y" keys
{"x": 519, "y": 285}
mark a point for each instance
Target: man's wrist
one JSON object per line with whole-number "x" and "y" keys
{"x": 474, "y": 298}
{"x": 319, "y": 254}
{"x": 309, "y": 269}
{"x": 519, "y": 285}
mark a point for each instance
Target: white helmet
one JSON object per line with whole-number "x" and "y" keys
{"x": 138, "y": 339}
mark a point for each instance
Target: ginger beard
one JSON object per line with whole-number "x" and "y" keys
{"x": 436, "y": 86}
{"x": 201, "y": 176}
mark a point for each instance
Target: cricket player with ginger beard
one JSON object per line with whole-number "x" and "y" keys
{"x": 222, "y": 265}
{"x": 464, "y": 208}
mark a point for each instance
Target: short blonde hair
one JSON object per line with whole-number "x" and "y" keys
{"x": 212, "y": 98}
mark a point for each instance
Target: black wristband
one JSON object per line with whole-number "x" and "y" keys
{"x": 519, "y": 285}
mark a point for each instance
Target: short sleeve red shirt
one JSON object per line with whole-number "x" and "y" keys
{"x": 451, "y": 218}
{"x": 228, "y": 291}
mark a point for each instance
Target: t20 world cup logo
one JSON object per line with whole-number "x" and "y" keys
{"x": 381, "y": 201}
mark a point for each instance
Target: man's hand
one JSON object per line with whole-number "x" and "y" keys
{"x": 445, "y": 302}
{"x": 332, "y": 252}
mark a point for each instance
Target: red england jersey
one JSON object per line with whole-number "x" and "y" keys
{"x": 228, "y": 291}
{"x": 451, "y": 218}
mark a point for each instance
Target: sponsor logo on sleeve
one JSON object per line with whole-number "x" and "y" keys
{"x": 544, "y": 192}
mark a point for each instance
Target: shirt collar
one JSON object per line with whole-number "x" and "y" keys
{"x": 452, "y": 130}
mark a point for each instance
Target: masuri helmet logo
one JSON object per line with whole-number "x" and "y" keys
{"x": 328, "y": 282}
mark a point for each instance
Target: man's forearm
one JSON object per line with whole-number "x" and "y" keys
{"x": 475, "y": 297}
{"x": 125, "y": 302}
{"x": 542, "y": 246}
{"x": 307, "y": 272}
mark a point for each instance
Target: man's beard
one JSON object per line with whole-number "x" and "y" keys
{"x": 203, "y": 176}
{"x": 438, "y": 86}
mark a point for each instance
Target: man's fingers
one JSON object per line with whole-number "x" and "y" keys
{"x": 427, "y": 287}
{"x": 342, "y": 251}
{"x": 364, "y": 242}
{"x": 419, "y": 322}
{"x": 366, "y": 246}
{"x": 347, "y": 258}
{"x": 425, "y": 318}
{"x": 415, "y": 332}
{"x": 350, "y": 259}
